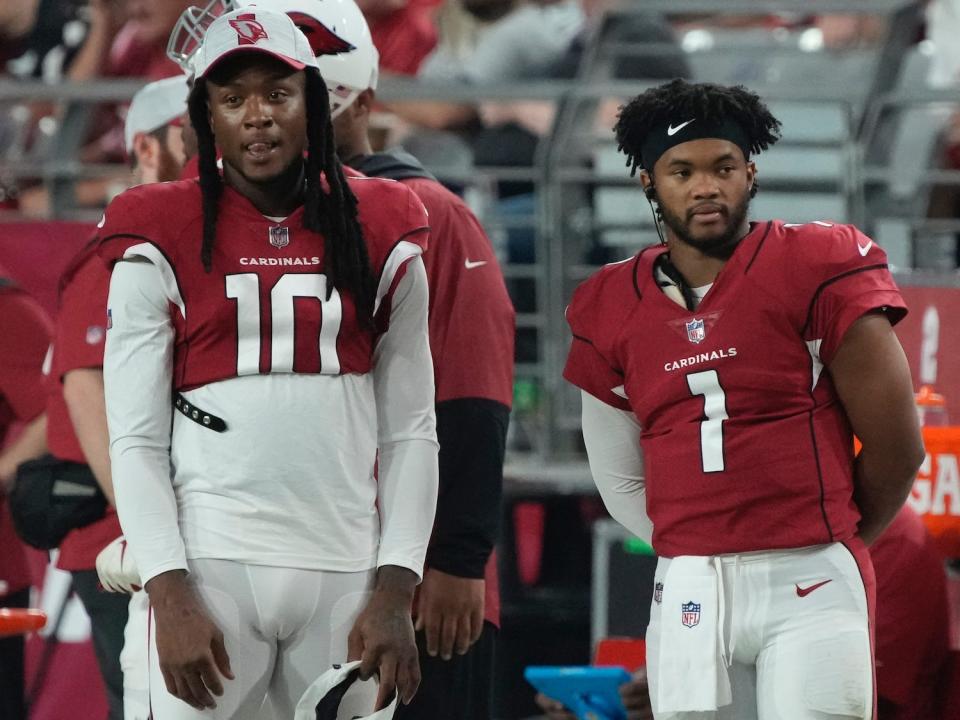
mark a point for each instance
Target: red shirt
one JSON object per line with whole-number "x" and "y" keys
{"x": 472, "y": 351}
{"x": 80, "y": 336}
{"x": 264, "y": 306}
{"x": 913, "y": 617}
{"x": 25, "y": 331}
{"x": 404, "y": 38}
{"x": 746, "y": 445}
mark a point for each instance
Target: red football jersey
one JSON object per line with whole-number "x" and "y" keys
{"x": 472, "y": 351}
{"x": 79, "y": 342}
{"x": 25, "y": 331}
{"x": 746, "y": 445}
{"x": 264, "y": 307}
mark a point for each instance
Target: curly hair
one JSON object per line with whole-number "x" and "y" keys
{"x": 659, "y": 106}
{"x": 330, "y": 207}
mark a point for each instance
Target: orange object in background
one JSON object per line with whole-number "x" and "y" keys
{"x": 931, "y": 407}
{"x": 19, "y": 621}
{"x": 936, "y": 491}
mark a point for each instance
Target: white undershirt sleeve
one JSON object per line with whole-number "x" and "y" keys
{"x": 137, "y": 372}
{"x": 612, "y": 439}
{"x": 406, "y": 422}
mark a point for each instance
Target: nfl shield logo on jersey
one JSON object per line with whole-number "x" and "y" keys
{"x": 658, "y": 593}
{"x": 695, "y": 331}
{"x": 279, "y": 236}
{"x": 690, "y": 614}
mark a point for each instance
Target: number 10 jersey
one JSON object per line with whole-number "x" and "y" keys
{"x": 265, "y": 306}
{"x": 746, "y": 445}
{"x": 308, "y": 394}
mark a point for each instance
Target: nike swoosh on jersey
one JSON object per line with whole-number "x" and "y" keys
{"x": 471, "y": 264}
{"x": 671, "y": 131}
{"x": 803, "y": 592}
{"x": 864, "y": 249}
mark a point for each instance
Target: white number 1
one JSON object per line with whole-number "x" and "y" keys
{"x": 715, "y": 412}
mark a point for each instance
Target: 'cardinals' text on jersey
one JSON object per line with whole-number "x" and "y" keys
{"x": 266, "y": 306}
{"x": 746, "y": 445}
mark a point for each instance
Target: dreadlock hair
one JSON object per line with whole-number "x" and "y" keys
{"x": 211, "y": 184}
{"x": 705, "y": 101}
{"x": 330, "y": 207}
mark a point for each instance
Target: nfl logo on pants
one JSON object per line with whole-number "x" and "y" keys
{"x": 690, "y": 614}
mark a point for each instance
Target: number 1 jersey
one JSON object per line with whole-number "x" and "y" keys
{"x": 745, "y": 443}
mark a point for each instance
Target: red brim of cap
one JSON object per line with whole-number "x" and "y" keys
{"x": 295, "y": 64}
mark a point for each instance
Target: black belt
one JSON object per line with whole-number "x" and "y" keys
{"x": 201, "y": 417}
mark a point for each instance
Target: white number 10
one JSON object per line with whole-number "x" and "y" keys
{"x": 245, "y": 289}
{"x": 715, "y": 412}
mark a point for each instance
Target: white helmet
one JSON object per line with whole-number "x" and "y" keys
{"x": 338, "y": 694}
{"x": 337, "y": 30}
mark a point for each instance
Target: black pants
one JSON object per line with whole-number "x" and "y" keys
{"x": 455, "y": 689}
{"x": 12, "y": 706}
{"x": 108, "y": 617}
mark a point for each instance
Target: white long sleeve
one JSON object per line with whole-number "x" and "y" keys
{"x": 406, "y": 421}
{"x": 137, "y": 369}
{"x": 612, "y": 439}
{"x": 290, "y": 483}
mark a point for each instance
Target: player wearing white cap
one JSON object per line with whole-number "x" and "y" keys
{"x": 471, "y": 338}
{"x": 286, "y": 309}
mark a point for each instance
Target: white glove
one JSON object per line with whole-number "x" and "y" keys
{"x": 117, "y": 569}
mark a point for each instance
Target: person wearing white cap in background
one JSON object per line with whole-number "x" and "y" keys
{"x": 77, "y": 427}
{"x": 285, "y": 307}
{"x": 152, "y": 130}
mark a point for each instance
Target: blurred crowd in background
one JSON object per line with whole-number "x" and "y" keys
{"x": 471, "y": 42}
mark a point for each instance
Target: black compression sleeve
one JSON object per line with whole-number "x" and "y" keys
{"x": 472, "y": 434}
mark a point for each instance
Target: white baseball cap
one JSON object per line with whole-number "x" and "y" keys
{"x": 154, "y": 106}
{"x": 339, "y": 694}
{"x": 252, "y": 29}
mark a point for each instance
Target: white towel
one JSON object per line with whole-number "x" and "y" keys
{"x": 692, "y": 673}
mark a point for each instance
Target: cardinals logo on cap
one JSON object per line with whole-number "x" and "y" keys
{"x": 249, "y": 30}
{"x": 323, "y": 40}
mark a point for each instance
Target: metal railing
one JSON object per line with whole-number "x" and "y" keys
{"x": 565, "y": 176}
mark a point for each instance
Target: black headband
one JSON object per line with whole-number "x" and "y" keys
{"x": 662, "y": 138}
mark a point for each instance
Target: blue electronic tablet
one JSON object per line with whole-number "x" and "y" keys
{"x": 590, "y": 693}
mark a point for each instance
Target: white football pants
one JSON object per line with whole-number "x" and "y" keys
{"x": 133, "y": 659}
{"x": 796, "y": 635}
{"x": 282, "y": 628}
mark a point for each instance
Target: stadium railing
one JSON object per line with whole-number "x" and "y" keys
{"x": 584, "y": 209}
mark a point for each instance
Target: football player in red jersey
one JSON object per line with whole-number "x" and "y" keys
{"x": 25, "y": 331}
{"x": 471, "y": 340}
{"x": 723, "y": 375}
{"x": 77, "y": 424}
{"x": 286, "y": 309}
